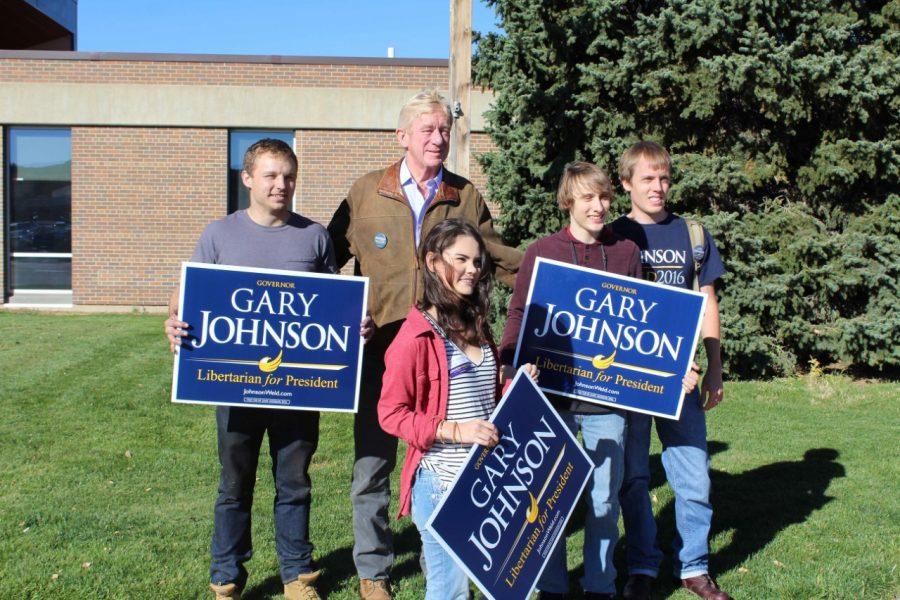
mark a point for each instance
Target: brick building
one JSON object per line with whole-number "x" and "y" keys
{"x": 113, "y": 163}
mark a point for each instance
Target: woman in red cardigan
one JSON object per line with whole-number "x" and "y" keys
{"x": 441, "y": 383}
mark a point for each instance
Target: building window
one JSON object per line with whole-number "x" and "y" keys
{"x": 238, "y": 142}
{"x": 39, "y": 209}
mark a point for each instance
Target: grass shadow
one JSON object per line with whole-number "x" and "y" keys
{"x": 338, "y": 568}
{"x": 271, "y": 587}
{"x": 406, "y": 541}
{"x": 758, "y": 504}
{"x": 754, "y": 506}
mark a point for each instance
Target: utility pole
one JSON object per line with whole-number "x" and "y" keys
{"x": 460, "y": 83}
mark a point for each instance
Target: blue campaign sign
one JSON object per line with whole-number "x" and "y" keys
{"x": 270, "y": 338}
{"x": 509, "y": 505}
{"x": 610, "y": 339}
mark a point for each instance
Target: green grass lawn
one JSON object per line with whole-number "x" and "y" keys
{"x": 106, "y": 488}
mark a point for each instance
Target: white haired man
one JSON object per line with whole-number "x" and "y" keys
{"x": 381, "y": 222}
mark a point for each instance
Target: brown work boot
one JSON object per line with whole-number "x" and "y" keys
{"x": 227, "y": 591}
{"x": 375, "y": 589}
{"x": 302, "y": 588}
{"x": 705, "y": 587}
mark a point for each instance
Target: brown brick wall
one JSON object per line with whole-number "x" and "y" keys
{"x": 225, "y": 73}
{"x": 479, "y": 143}
{"x": 330, "y": 161}
{"x": 140, "y": 198}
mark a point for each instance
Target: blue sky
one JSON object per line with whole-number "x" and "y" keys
{"x": 415, "y": 28}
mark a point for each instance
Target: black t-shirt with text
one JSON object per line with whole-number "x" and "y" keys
{"x": 666, "y": 253}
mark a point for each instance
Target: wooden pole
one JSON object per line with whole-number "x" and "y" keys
{"x": 460, "y": 83}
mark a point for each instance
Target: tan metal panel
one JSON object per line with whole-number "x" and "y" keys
{"x": 209, "y": 106}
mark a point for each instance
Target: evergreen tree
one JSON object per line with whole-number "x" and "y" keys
{"x": 781, "y": 116}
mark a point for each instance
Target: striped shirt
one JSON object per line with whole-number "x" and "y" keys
{"x": 471, "y": 396}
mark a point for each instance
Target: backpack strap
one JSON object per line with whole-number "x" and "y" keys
{"x": 698, "y": 252}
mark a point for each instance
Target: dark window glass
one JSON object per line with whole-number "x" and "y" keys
{"x": 40, "y": 189}
{"x": 40, "y": 273}
{"x": 239, "y": 141}
{"x": 40, "y": 207}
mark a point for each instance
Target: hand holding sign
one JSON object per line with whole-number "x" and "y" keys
{"x": 176, "y": 331}
{"x": 477, "y": 431}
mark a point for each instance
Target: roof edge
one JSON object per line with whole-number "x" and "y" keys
{"x": 273, "y": 59}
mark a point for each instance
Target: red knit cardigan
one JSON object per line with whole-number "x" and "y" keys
{"x": 414, "y": 393}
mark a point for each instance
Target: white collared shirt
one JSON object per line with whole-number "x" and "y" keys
{"x": 417, "y": 202}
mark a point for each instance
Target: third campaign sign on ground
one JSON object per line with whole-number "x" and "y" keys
{"x": 610, "y": 339}
{"x": 509, "y": 505}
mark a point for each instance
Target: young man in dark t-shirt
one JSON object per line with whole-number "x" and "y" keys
{"x": 266, "y": 235}
{"x": 667, "y": 257}
{"x": 584, "y": 193}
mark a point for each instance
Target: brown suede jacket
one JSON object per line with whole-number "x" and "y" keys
{"x": 374, "y": 224}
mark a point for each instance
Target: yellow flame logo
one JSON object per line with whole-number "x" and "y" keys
{"x": 602, "y": 363}
{"x": 532, "y": 514}
{"x": 268, "y": 365}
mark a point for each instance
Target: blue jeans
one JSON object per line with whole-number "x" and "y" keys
{"x": 293, "y": 437}
{"x": 686, "y": 462}
{"x": 604, "y": 441}
{"x": 444, "y": 580}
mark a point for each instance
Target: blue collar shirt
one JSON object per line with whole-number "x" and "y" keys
{"x": 417, "y": 202}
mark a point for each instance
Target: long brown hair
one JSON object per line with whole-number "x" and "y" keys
{"x": 463, "y": 318}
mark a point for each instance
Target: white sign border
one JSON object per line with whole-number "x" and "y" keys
{"x": 210, "y": 266}
{"x": 476, "y": 448}
{"x": 627, "y": 280}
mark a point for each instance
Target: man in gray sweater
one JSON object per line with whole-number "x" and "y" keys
{"x": 266, "y": 235}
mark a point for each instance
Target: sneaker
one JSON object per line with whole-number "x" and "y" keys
{"x": 302, "y": 588}
{"x": 226, "y": 591}
{"x": 375, "y": 589}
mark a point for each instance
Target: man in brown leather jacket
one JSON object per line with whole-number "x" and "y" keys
{"x": 381, "y": 223}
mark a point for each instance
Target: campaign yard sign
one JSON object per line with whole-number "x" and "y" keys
{"x": 269, "y": 338}
{"x": 509, "y": 505}
{"x": 610, "y": 339}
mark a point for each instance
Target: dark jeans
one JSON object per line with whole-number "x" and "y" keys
{"x": 293, "y": 436}
{"x": 370, "y": 490}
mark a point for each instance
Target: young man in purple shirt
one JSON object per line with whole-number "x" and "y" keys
{"x": 668, "y": 256}
{"x": 584, "y": 193}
